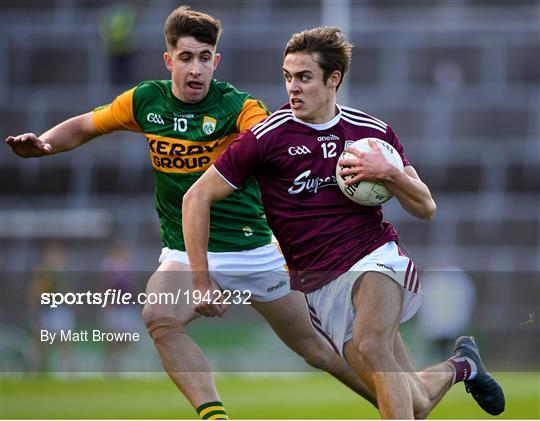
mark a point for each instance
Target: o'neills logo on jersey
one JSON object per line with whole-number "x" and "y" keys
{"x": 327, "y": 137}
{"x": 183, "y": 156}
{"x": 311, "y": 184}
{"x": 209, "y": 124}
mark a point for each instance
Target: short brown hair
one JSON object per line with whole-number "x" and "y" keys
{"x": 183, "y": 22}
{"x": 329, "y": 42}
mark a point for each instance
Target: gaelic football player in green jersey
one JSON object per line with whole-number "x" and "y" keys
{"x": 188, "y": 121}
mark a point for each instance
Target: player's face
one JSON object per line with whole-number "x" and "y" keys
{"x": 311, "y": 99}
{"x": 192, "y": 64}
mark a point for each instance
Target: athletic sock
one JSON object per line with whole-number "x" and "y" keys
{"x": 212, "y": 411}
{"x": 463, "y": 368}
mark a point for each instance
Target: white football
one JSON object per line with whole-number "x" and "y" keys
{"x": 368, "y": 193}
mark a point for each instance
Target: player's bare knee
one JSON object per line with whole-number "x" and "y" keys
{"x": 151, "y": 313}
{"x": 159, "y": 328}
{"x": 372, "y": 350}
{"x": 318, "y": 358}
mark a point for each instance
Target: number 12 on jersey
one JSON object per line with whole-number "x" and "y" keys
{"x": 329, "y": 150}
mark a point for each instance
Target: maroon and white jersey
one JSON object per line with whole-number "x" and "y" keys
{"x": 322, "y": 232}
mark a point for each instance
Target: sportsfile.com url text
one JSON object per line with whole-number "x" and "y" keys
{"x": 119, "y": 297}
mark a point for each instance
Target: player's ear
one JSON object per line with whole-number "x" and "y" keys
{"x": 168, "y": 61}
{"x": 334, "y": 79}
{"x": 217, "y": 59}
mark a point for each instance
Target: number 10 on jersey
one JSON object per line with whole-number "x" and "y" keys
{"x": 180, "y": 124}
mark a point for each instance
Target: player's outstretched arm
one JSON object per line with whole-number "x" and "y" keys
{"x": 63, "y": 137}
{"x": 197, "y": 201}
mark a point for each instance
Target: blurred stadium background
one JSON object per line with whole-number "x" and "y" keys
{"x": 458, "y": 80}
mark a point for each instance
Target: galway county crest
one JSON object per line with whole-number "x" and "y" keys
{"x": 209, "y": 124}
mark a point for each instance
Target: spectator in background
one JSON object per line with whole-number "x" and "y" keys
{"x": 49, "y": 277}
{"x": 448, "y": 288}
{"x": 116, "y": 28}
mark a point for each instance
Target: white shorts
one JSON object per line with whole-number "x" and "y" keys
{"x": 260, "y": 270}
{"x": 331, "y": 306}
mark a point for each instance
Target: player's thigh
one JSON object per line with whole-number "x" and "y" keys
{"x": 288, "y": 316}
{"x": 169, "y": 292}
{"x": 377, "y": 302}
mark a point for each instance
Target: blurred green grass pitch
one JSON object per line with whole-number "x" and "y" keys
{"x": 309, "y": 396}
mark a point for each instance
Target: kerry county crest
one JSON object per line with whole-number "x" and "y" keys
{"x": 209, "y": 124}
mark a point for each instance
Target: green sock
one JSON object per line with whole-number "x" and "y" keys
{"x": 212, "y": 411}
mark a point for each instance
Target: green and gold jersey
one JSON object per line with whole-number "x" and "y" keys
{"x": 184, "y": 140}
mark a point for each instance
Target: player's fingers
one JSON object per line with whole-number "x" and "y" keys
{"x": 349, "y": 170}
{"x": 202, "y": 309}
{"x": 210, "y": 310}
{"x": 12, "y": 139}
{"x": 216, "y": 310}
{"x": 22, "y": 138}
{"x": 224, "y": 308}
{"x": 347, "y": 162}
{"x": 353, "y": 180}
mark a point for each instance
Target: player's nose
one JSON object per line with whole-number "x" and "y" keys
{"x": 294, "y": 86}
{"x": 195, "y": 69}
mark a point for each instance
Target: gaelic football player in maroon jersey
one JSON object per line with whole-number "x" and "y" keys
{"x": 343, "y": 256}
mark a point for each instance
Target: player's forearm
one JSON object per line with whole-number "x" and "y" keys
{"x": 196, "y": 229}
{"x": 413, "y": 195}
{"x": 70, "y": 134}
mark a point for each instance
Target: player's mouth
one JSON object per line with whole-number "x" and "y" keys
{"x": 296, "y": 103}
{"x": 195, "y": 85}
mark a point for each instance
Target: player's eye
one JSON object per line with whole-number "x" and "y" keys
{"x": 305, "y": 78}
{"x": 287, "y": 77}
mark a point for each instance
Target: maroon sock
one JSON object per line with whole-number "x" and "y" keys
{"x": 462, "y": 367}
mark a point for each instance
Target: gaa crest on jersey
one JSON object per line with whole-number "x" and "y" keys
{"x": 209, "y": 124}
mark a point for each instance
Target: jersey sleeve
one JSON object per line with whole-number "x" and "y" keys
{"x": 392, "y": 138}
{"x": 240, "y": 160}
{"x": 118, "y": 115}
{"x": 253, "y": 111}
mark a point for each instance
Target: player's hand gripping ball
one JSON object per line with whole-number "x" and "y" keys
{"x": 368, "y": 193}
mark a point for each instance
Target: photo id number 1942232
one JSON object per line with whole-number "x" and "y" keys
{"x": 218, "y": 297}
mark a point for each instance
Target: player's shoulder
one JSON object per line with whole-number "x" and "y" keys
{"x": 362, "y": 119}
{"x": 150, "y": 90}
{"x": 228, "y": 92}
{"x": 274, "y": 123}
